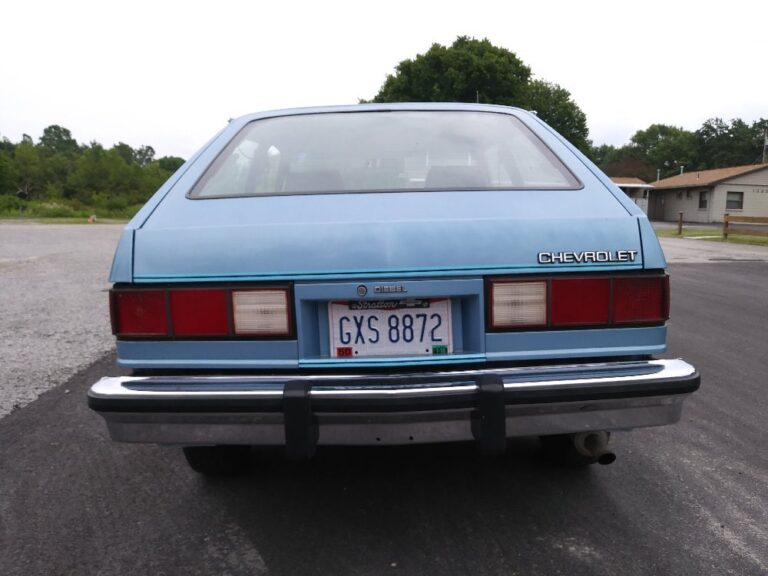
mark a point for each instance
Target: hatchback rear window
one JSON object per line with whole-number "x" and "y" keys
{"x": 383, "y": 151}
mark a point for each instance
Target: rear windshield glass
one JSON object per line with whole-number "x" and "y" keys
{"x": 383, "y": 151}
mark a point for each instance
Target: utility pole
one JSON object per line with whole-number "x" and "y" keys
{"x": 765, "y": 143}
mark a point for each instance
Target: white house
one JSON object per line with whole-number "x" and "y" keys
{"x": 706, "y": 195}
{"x": 636, "y": 189}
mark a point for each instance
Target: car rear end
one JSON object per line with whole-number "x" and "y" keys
{"x": 389, "y": 275}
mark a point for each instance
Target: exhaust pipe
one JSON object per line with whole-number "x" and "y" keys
{"x": 594, "y": 446}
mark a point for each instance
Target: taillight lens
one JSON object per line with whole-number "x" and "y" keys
{"x": 638, "y": 300}
{"x": 572, "y": 302}
{"x": 187, "y": 312}
{"x": 580, "y": 301}
{"x": 139, "y": 313}
{"x": 518, "y": 304}
{"x": 261, "y": 312}
{"x": 199, "y": 312}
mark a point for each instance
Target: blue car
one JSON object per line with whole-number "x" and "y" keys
{"x": 388, "y": 274}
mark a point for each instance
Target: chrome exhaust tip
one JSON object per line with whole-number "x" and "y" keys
{"x": 594, "y": 446}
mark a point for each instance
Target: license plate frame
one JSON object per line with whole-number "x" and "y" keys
{"x": 365, "y": 329}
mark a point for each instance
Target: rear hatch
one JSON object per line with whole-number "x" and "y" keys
{"x": 422, "y": 234}
{"x": 431, "y": 253}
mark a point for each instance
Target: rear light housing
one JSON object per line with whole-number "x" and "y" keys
{"x": 261, "y": 312}
{"x": 519, "y": 304}
{"x": 196, "y": 312}
{"x": 640, "y": 300}
{"x": 567, "y": 302}
{"x": 199, "y": 312}
{"x": 139, "y": 312}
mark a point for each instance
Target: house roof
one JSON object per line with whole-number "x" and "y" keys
{"x": 707, "y": 177}
{"x": 630, "y": 180}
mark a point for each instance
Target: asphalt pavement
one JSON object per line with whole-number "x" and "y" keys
{"x": 688, "y": 499}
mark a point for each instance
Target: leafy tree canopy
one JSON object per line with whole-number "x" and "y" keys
{"x": 170, "y": 163}
{"x": 467, "y": 71}
{"x": 58, "y": 176}
{"x": 56, "y": 139}
{"x": 665, "y": 149}
{"x": 554, "y": 105}
{"x": 471, "y": 70}
{"x": 722, "y": 144}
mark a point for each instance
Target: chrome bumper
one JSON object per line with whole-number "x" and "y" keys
{"x": 300, "y": 411}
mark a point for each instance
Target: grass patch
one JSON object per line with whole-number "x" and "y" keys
{"x": 713, "y": 235}
{"x": 63, "y": 211}
{"x": 68, "y": 220}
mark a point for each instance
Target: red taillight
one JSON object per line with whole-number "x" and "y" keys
{"x": 199, "y": 312}
{"x": 139, "y": 313}
{"x": 638, "y": 300}
{"x": 581, "y": 301}
{"x": 573, "y": 302}
{"x": 259, "y": 312}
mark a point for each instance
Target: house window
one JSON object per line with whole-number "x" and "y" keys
{"x": 645, "y": 193}
{"x": 734, "y": 201}
{"x": 688, "y": 194}
{"x": 679, "y": 194}
{"x": 703, "y": 200}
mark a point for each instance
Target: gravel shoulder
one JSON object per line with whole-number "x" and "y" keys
{"x": 54, "y": 313}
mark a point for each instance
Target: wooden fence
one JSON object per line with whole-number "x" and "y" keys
{"x": 728, "y": 220}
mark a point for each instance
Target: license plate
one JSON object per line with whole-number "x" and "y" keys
{"x": 418, "y": 327}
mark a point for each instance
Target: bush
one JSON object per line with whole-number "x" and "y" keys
{"x": 11, "y": 206}
{"x": 52, "y": 210}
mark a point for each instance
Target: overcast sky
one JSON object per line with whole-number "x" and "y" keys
{"x": 169, "y": 74}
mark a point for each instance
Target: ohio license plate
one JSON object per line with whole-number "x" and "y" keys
{"x": 415, "y": 327}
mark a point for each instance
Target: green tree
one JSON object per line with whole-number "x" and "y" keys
{"x": 56, "y": 139}
{"x": 6, "y": 145}
{"x": 623, "y": 161}
{"x": 554, "y": 105}
{"x": 721, "y": 144}
{"x": 666, "y": 148}
{"x": 58, "y": 153}
{"x": 125, "y": 152}
{"x": 89, "y": 176}
{"x": 145, "y": 155}
{"x": 467, "y": 71}
{"x": 7, "y": 176}
{"x": 78, "y": 179}
{"x": 471, "y": 70}
{"x": 28, "y": 170}
{"x": 170, "y": 164}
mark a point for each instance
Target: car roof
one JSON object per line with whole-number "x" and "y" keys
{"x": 383, "y": 107}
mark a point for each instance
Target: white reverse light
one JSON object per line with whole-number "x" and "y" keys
{"x": 518, "y": 304}
{"x": 261, "y": 312}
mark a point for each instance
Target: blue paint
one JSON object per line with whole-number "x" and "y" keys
{"x": 433, "y": 243}
{"x": 241, "y": 354}
{"x": 367, "y": 238}
{"x": 548, "y": 344}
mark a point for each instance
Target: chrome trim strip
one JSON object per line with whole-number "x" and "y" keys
{"x": 337, "y": 429}
{"x": 271, "y": 387}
